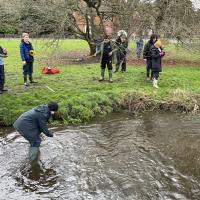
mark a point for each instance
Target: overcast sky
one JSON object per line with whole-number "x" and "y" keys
{"x": 196, "y": 3}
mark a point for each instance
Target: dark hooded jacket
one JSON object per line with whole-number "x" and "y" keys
{"x": 147, "y": 50}
{"x": 156, "y": 59}
{"x": 31, "y": 123}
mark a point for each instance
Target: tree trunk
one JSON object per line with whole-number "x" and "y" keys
{"x": 92, "y": 46}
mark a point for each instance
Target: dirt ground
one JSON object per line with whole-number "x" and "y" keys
{"x": 82, "y": 57}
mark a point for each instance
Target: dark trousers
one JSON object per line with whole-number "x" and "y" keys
{"x": 149, "y": 68}
{"x": 156, "y": 75}
{"x": 121, "y": 61}
{"x": 34, "y": 141}
{"x": 2, "y": 77}
{"x": 28, "y": 69}
{"x": 106, "y": 62}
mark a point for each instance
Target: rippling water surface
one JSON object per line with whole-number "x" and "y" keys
{"x": 154, "y": 156}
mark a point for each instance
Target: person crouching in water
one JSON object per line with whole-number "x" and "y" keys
{"x": 156, "y": 53}
{"x": 27, "y": 56}
{"x": 106, "y": 51}
{"x": 121, "y": 44}
{"x": 31, "y": 123}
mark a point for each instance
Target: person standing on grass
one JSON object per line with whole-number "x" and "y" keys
{"x": 106, "y": 50}
{"x": 147, "y": 56}
{"x": 27, "y": 56}
{"x": 156, "y": 53}
{"x": 139, "y": 46}
{"x": 3, "y": 54}
{"x": 31, "y": 123}
{"x": 122, "y": 45}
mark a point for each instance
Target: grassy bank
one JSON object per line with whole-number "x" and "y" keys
{"x": 81, "y": 96}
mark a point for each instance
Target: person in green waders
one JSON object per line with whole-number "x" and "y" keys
{"x": 32, "y": 123}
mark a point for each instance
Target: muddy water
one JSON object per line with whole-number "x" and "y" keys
{"x": 155, "y": 156}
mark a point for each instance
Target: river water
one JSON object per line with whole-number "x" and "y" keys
{"x": 153, "y": 156}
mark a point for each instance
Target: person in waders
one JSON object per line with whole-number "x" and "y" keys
{"x": 32, "y": 123}
{"x": 3, "y": 54}
{"x": 106, "y": 51}
{"x": 156, "y": 53}
{"x": 27, "y": 56}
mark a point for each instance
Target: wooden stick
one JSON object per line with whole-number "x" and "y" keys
{"x": 50, "y": 88}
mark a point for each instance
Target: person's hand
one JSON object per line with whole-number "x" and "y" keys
{"x": 110, "y": 54}
{"x": 94, "y": 55}
{"x": 162, "y": 53}
{"x": 145, "y": 59}
{"x": 23, "y": 62}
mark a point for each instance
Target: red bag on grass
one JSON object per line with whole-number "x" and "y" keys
{"x": 49, "y": 70}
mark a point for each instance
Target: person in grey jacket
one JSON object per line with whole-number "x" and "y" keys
{"x": 122, "y": 45}
{"x": 31, "y": 123}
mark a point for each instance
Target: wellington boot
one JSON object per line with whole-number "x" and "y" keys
{"x": 102, "y": 75}
{"x": 155, "y": 83}
{"x": 31, "y": 79}
{"x": 33, "y": 153}
{"x": 110, "y": 76}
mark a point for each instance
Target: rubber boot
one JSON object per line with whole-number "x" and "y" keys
{"x": 102, "y": 75}
{"x": 110, "y": 76}
{"x": 155, "y": 83}
{"x": 33, "y": 153}
{"x": 25, "y": 81}
{"x": 31, "y": 79}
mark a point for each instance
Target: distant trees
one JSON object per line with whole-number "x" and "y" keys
{"x": 85, "y": 19}
{"x": 9, "y": 16}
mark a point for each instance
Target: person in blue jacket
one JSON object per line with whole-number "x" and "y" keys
{"x": 27, "y": 56}
{"x": 31, "y": 123}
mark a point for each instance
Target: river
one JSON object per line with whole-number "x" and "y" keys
{"x": 123, "y": 157}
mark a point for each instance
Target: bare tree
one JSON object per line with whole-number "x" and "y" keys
{"x": 85, "y": 19}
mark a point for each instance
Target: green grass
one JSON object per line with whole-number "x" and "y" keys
{"x": 177, "y": 52}
{"x": 77, "y": 89}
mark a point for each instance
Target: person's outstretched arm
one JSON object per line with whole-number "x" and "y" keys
{"x": 42, "y": 122}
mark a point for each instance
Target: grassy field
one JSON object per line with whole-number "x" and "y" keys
{"x": 77, "y": 89}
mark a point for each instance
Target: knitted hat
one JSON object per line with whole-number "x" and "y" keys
{"x": 53, "y": 106}
{"x": 158, "y": 44}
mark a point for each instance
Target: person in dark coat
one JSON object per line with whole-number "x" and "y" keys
{"x": 3, "y": 54}
{"x": 31, "y": 123}
{"x": 157, "y": 53}
{"x": 147, "y": 56}
{"x": 27, "y": 56}
{"x": 122, "y": 45}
